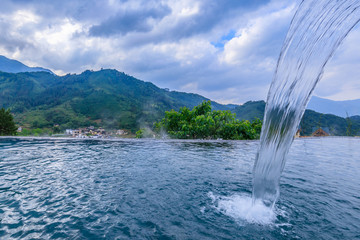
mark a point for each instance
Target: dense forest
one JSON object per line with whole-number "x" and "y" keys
{"x": 106, "y": 98}
{"x": 7, "y": 124}
{"x": 41, "y": 101}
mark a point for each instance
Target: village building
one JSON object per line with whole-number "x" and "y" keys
{"x": 320, "y": 133}
{"x": 76, "y": 132}
{"x": 69, "y": 131}
{"x": 88, "y": 132}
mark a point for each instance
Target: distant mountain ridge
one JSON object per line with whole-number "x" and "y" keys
{"x": 336, "y": 125}
{"x": 321, "y": 105}
{"x": 113, "y": 99}
{"x": 14, "y": 66}
{"x": 106, "y": 98}
{"x": 339, "y": 108}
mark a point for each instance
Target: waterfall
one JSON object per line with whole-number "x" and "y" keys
{"x": 316, "y": 31}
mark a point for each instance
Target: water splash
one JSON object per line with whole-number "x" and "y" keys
{"x": 316, "y": 31}
{"x": 242, "y": 209}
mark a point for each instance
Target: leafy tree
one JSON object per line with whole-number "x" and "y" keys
{"x": 144, "y": 133}
{"x": 7, "y": 124}
{"x": 349, "y": 125}
{"x": 203, "y": 123}
{"x": 140, "y": 133}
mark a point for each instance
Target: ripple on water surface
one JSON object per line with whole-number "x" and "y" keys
{"x": 72, "y": 189}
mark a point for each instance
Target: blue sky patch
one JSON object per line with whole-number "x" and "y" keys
{"x": 220, "y": 44}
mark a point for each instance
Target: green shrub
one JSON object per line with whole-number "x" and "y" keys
{"x": 203, "y": 123}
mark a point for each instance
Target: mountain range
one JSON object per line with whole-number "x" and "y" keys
{"x": 327, "y": 106}
{"x": 113, "y": 99}
{"x": 339, "y": 108}
{"x": 106, "y": 98}
{"x": 311, "y": 120}
{"x": 13, "y": 66}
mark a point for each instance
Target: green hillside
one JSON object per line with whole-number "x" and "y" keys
{"x": 250, "y": 110}
{"x": 333, "y": 124}
{"x": 105, "y": 98}
{"x": 311, "y": 120}
{"x": 113, "y": 100}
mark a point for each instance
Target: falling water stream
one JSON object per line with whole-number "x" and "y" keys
{"x": 316, "y": 31}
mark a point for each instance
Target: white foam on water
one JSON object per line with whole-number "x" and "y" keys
{"x": 242, "y": 209}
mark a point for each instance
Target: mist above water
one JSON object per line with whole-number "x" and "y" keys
{"x": 316, "y": 31}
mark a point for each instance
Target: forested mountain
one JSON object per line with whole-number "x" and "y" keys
{"x": 250, "y": 110}
{"x": 311, "y": 120}
{"x": 335, "y": 125}
{"x": 13, "y": 66}
{"x": 112, "y": 99}
{"x": 106, "y": 98}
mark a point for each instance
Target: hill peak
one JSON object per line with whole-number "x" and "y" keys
{"x": 14, "y": 66}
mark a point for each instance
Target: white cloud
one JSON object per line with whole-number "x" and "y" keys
{"x": 24, "y": 17}
{"x": 341, "y": 80}
{"x": 176, "y": 49}
{"x": 59, "y": 34}
{"x": 252, "y": 39}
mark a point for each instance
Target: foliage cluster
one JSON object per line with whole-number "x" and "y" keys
{"x": 105, "y": 98}
{"x": 114, "y": 100}
{"x": 203, "y": 123}
{"x": 139, "y": 133}
{"x": 7, "y": 124}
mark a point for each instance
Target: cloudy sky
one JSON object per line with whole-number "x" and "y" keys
{"x": 225, "y": 50}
